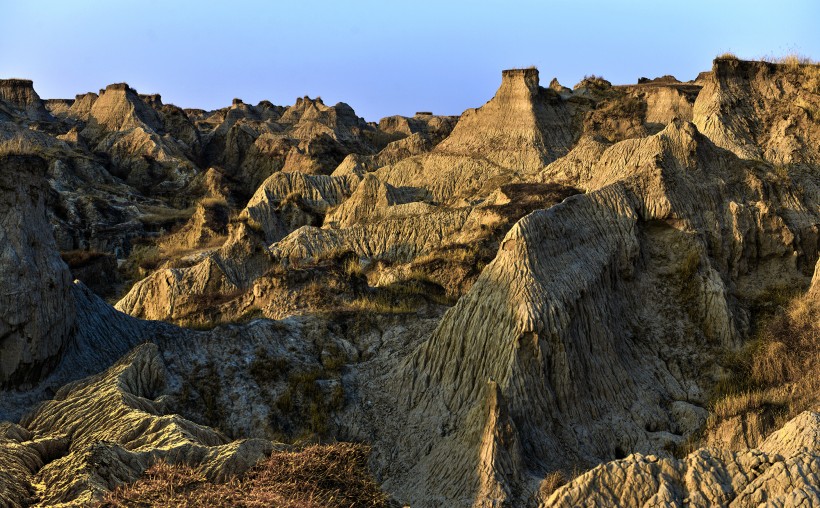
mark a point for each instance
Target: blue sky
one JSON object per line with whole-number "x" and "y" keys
{"x": 382, "y": 57}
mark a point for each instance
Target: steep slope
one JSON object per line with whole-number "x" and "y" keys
{"x": 432, "y": 127}
{"x": 524, "y": 126}
{"x": 220, "y": 275}
{"x": 36, "y": 305}
{"x": 580, "y": 323}
{"x": 254, "y": 142}
{"x": 605, "y": 331}
{"x": 287, "y": 201}
{"x": 369, "y": 197}
{"x": 124, "y": 126}
{"x": 119, "y": 108}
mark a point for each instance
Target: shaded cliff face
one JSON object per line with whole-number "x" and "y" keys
{"x": 36, "y": 306}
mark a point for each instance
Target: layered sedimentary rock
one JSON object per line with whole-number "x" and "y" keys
{"x": 370, "y": 196}
{"x": 431, "y": 127}
{"x": 119, "y": 108}
{"x": 254, "y": 142}
{"x": 396, "y": 239}
{"x": 172, "y": 293}
{"x": 17, "y": 97}
{"x": 122, "y": 124}
{"x": 522, "y": 129}
{"x": 591, "y": 334}
{"x": 286, "y": 201}
{"x": 523, "y": 126}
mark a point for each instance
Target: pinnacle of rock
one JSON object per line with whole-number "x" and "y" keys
{"x": 522, "y": 127}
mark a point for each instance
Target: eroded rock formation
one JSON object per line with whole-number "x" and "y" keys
{"x": 36, "y": 306}
{"x": 556, "y": 287}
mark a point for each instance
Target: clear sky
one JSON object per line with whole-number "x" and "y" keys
{"x": 382, "y": 57}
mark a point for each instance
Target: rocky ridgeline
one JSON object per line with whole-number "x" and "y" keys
{"x": 539, "y": 302}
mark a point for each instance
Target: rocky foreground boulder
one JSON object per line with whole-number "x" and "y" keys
{"x": 784, "y": 471}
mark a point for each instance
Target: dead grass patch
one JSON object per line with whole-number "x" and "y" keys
{"x": 159, "y": 216}
{"x": 727, "y": 56}
{"x": 81, "y": 258}
{"x": 552, "y": 482}
{"x": 334, "y": 475}
{"x": 777, "y": 373}
{"x": 383, "y": 302}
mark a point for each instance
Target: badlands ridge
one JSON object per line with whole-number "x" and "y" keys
{"x": 597, "y": 296}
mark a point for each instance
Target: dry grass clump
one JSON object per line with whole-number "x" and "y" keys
{"x": 144, "y": 258}
{"x": 385, "y": 302}
{"x": 305, "y": 402}
{"x": 160, "y": 216}
{"x": 793, "y": 60}
{"x": 353, "y": 267}
{"x": 173, "y": 252}
{"x": 213, "y": 202}
{"x": 415, "y": 290}
{"x": 552, "y": 482}
{"x": 739, "y": 403}
{"x": 727, "y": 56}
{"x": 778, "y": 372}
{"x": 81, "y": 258}
{"x": 594, "y": 82}
{"x": 333, "y": 475}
